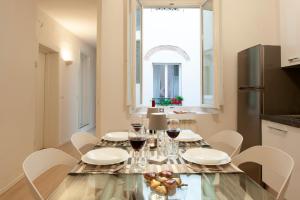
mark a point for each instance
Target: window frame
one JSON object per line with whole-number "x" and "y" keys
{"x": 217, "y": 57}
{"x": 130, "y": 49}
{"x": 141, "y": 55}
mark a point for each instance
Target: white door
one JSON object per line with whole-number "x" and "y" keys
{"x": 84, "y": 108}
{"x": 40, "y": 100}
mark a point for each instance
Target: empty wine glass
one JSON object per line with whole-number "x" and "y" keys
{"x": 136, "y": 123}
{"x": 137, "y": 138}
{"x": 173, "y": 132}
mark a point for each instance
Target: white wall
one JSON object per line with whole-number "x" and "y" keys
{"x": 54, "y": 36}
{"x": 172, "y": 28}
{"x": 111, "y": 86}
{"x": 244, "y": 23}
{"x": 18, "y": 52}
{"x": 22, "y": 28}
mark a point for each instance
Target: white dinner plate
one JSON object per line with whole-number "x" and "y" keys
{"x": 188, "y": 136}
{"x": 116, "y": 136}
{"x": 105, "y": 156}
{"x": 204, "y": 156}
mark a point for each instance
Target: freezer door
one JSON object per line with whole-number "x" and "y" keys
{"x": 250, "y": 68}
{"x": 249, "y": 110}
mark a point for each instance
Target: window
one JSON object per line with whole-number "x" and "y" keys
{"x": 211, "y": 54}
{"x": 207, "y": 46}
{"x": 166, "y": 81}
{"x": 138, "y": 45}
{"x": 172, "y": 37}
{"x": 174, "y": 52}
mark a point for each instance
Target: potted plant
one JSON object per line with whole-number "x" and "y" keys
{"x": 166, "y": 102}
{"x": 177, "y": 100}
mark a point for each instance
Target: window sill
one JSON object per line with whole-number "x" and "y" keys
{"x": 188, "y": 113}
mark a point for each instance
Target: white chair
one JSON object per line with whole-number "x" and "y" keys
{"x": 228, "y": 141}
{"x": 83, "y": 141}
{"x": 41, "y": 161}
{"x": 274, "y": 161}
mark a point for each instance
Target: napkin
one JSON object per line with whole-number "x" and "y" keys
{"x": 157, "y": 159}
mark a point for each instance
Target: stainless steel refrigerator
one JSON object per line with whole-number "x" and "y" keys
{"x": 263, "y": 88}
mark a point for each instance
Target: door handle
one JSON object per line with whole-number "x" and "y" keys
{"x": 278, "y": 129}
{"x": 250, "y": 88}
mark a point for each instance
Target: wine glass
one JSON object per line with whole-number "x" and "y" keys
{"x": 173, "y": 132}
{"x": 173, "y": 124}
{"x": 136, "y": 123}
{"x": 137, "y": 138}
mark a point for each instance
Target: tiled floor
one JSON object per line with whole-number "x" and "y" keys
{"x": 22, "y": 190}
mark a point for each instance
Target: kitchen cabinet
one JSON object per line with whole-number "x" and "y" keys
{"x": 286, "y": 138}
{"x": 289, "y": 32}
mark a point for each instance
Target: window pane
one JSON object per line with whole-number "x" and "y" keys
{"x": 138, "y": 44}
{"x": 138, "y": 37}
{"x": 158, "y": 81}
{"x": 173, "y": 81}
{"x": 208, "y": 64}
{"x": 172, "y": 38}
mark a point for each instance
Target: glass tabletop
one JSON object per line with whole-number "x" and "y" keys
{"x": 134, "y": 187}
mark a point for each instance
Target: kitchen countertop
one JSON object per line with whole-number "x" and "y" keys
{"x": 290, "y": 120}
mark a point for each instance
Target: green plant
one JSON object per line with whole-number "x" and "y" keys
{"x": 179, "y": 98}
{"x": 165, "y": 102}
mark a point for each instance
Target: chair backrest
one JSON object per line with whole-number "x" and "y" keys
{"x": 40, "y": 161}
{"x": 275, "y": 160}
{"x": 83, "y": 139}
{"x": 228, "y": 141}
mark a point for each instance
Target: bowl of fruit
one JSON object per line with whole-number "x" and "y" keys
{"x": 164, "y": 183}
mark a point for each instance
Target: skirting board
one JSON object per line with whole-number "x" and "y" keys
{"x": 12, "y": 183}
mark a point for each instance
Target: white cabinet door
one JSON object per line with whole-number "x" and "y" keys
{"x": 274, "y": 135}
{"x": 289, "y": 32}
{"x": 286, "y": 138}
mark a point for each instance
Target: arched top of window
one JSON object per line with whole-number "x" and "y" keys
{"x": 159, "y": 48}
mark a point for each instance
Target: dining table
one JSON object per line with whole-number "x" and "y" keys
{"x": 116, "y": 182}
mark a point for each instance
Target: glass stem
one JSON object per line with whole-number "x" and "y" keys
{"x": 136, "y": 158}
{"x": 173, "y": 146}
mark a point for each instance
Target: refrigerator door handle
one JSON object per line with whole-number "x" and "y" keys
{"x": 250, "y": 88}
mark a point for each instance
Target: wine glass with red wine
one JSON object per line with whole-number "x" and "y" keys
{"x": 173, "y": 131}
{"x": 137, "y": 138}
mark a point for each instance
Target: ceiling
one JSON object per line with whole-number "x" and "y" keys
{"x": 77, "y": 16}
{"x": 171, "y": 3}
{"x": 80, "y": 16}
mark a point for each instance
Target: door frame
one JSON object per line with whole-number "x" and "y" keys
{"x": 87, "y": 70}
{"x": 40, "y": 113}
